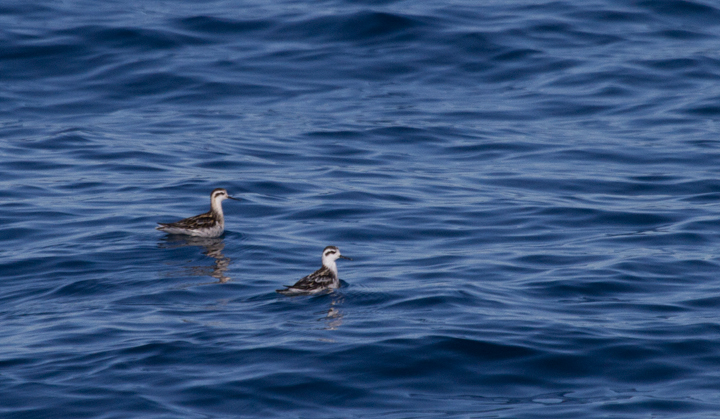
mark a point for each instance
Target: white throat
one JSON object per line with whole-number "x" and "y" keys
{"x": 216, "y": 206}
{"x": 330, "y": 264}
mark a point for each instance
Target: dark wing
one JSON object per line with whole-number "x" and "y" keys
{"x": 322, "y": 278}
{"x": 193, "y": 223}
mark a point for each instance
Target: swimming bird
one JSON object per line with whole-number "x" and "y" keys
{"x": 210, "y": 224}
{"x": 322, "y": 279}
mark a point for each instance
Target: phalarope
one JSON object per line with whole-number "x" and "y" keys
{"x": 210, "y": 224}
{"x": 322, "y": 279}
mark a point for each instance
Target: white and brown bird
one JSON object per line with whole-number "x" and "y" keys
{"x": 322, "y": 279}
{"x": 210, "y": 224}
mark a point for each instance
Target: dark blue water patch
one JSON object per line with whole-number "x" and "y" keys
{"x": 364, "y": 27}
{"x": 575, "y": 108}
{"x": 705, "y": 302}
{"x": 661, "y": 309}
{"x": 590, "y": 288}
{"x": 529, "y": 71}
{"x": 706, "y": 111}
{"x": 132, "y": 39}
{"x": 652, "y": 372}
{"x": 117, "y": 155}
{"x": 427, "y": 302}
{"x": 479, "y": 50}
{"x": 671, "y": 65}
{"x": 39, "y": 60}
{"x": 682, "y": 34}
{"x": 61, "y": 142}
{"x": 687, "y": 11}
{"x": 556, "y": 261}
{"x": 658, "y": 239}
{"x": 336, "y": 135}
{"x": 639, "y": 404}
{"x": 567, "y": 35}
{"x": 224, "y": 164}
{"x": 35, "y": 166}
{"x": 404, "y": 135}
{"x": 408, "y": 359}
{"x": 519, "y": 55}
{"x": 23, "y": 9}
{"x": 610, "y": 15}
{"x": 87, "y": 288}
{"x": 573, "y": 216}
{"x": 215, "y": 25}
{"x": 215, "y": 90}
{"x": 156, "y": 84}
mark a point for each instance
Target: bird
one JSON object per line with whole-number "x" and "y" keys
{"x": 210, "y": 224}
{"x": 323, "y": 279}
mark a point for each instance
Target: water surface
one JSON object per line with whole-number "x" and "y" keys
{"x": 529, "y": 192}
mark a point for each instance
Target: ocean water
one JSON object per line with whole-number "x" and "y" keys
{"x": 530, "y": 192}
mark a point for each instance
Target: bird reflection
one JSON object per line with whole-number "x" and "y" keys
{"x": 213, "y": 248}
{"x": 333, "y": 318}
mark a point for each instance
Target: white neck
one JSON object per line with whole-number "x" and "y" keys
{"x": 216, "y": 206}
{"x": 330, "y": 264}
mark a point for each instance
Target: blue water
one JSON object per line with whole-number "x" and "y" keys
{"x": 530, "y": 192}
